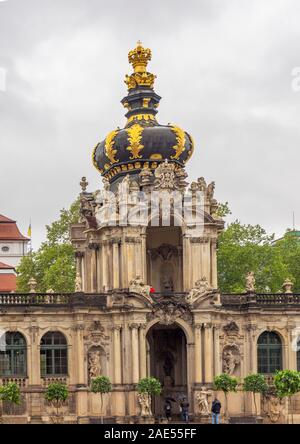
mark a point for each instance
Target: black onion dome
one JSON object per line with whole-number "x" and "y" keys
{"x": 143, "y": 143}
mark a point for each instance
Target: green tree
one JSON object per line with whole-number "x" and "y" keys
{"x": 289, "y": 249}
{"x": 102, "y": 385}
{"x": 223, "y": 210}
{"x": 255, "y": 383}
{"x": 226, "y": 384}
{"x": 149, "y": 385}
{"x": 244, "y": 248}
{"x": 287, "y": 384}
{"x": 57, "y": 393}
{"x": 10, "y": 393}
{"x": 53, "y": 264}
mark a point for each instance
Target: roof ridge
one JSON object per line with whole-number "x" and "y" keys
{"x": 6, "y": 219}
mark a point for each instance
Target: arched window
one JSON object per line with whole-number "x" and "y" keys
{"x": 13, "y": 355}
{"x": 269, "y": 353}
{"x": 54, "y": 354}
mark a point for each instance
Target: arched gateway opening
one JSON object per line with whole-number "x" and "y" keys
{"x": 167, "y": 361}
{"x": 164, "y": 258}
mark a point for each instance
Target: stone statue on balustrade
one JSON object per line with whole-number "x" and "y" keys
{"x": 250, "y": 282}
{"x": 137, "y": 286}
{"x": 201, "y": 288}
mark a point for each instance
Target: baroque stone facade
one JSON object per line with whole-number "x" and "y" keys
{"x": 146, "y": 298}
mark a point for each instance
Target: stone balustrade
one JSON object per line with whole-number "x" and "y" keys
{"x": 21, "y": 382}
{"x": 260, "y": 299}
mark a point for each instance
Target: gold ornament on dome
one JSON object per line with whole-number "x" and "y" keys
{"x": 180, "y": 138}
{"x": 109, "y": 143}
{"x": 134, "y": 138}
{"x": 141, "y": 117}
{"x": 139, "y": 58}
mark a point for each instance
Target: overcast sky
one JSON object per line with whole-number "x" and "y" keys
{"x": 224, "y": 71}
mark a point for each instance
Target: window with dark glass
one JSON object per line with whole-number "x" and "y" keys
{"x": 269, "y": 353}
{"x": 54, "y": 354}
{"x": 13, "y": 355}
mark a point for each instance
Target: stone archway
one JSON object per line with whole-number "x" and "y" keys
{"x": 167, "y": 361}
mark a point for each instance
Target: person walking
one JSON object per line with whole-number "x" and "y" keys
{"x": 215, "y": 411}
{"x": 184, "y": 405}
{"x": 168, "y": 409}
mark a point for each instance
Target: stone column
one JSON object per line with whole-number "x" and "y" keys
{"x": 130, "y": 248}
{"x": 214, "y": 275}
{"x": 198, "y": 354}
{"x": 208, "y": 353}
{"x": 144, "y": 276}
{"x": 135, "y": 352}
{"x": 34, "y": 372}
{"x": 186, "y": 264}
{"x": 217, "y": 366}
{"x": 206, "y": 264}
{"x": 292, "y": 347}
{"x": 104, "y": 268}
{"x": 116, "y": 264}
{"x": 99, "y": 270}
{"x": 117, "y": 354}
{"x": 253, "y": 349}
{"x": 93, "y": 247}
{"x": 143, "y": 352}
{"x": 79, "y": 328}
{"x": 82, "y": 409}
{"x": 78, "y": 256}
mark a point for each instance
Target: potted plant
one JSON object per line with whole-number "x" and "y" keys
{"x": 57, "y": 393}
{"x": 102, "y": 385}
{"x": 226, "y": 384}
{"x": 146, "y": 388}
{"x": 255, "y": 383}
{"x": 287, "y": 384}
{"x": 11, "y": 394}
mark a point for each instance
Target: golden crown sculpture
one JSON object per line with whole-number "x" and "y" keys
{"x": 139, "y": 58}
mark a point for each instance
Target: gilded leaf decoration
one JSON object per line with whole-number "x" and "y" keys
{"x": 109, "y": 147}
{"x": 134, "y": 138}
{"x": 180, "y": 138}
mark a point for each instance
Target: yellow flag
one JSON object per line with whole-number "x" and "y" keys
{"x": 29, "y": 230}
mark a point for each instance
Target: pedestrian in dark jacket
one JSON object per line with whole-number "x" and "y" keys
{"x": 215, "y": 411}
{"x": 184, "y": 405}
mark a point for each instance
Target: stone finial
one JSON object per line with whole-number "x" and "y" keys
{"x": 83, "y": 183}
{"x": 50, "y": 291}
{"x": 288, "y": 286}
{"x": 210, "y": 190}
{"x": 32, "y": 285}
{"x": 250, "y": 282}
{"x": 201, "y": 184}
